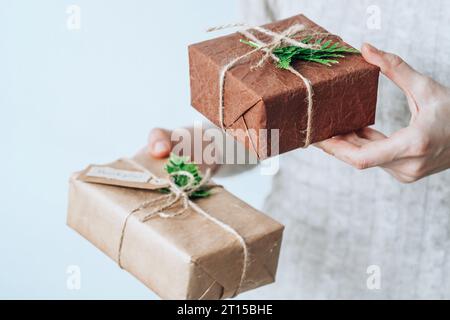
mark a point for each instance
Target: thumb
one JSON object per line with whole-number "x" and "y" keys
{"x": 401, "y": 73}
{"x": 159, "y": 143}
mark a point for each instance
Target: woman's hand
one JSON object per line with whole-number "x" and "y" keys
{"x": 215, "y": 150}
{"x": 162, "y": 142}
{"x": 414, "y": 152}
{"x": 159, "y": 143}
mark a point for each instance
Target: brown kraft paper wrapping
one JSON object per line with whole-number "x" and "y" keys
{"x": 345, "y": 95}
{"x": 185, "y": 257}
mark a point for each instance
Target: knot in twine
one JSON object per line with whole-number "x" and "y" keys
{"x": 175, "y": 195}
{"x": 278, "y": 40}
{"x": 180, "y": 195}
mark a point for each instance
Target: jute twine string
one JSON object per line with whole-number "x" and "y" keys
{"x": 278, "y": 39}
{"x": 180, "y": 195}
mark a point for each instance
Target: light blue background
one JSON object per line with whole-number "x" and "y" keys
{"x": 70, "y": 98}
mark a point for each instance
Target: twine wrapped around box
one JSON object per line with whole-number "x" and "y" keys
{"x": 176, "y": 195}
{"x": 298, "y": 100}
{"x": 278, "y": 39}
{"x": 182, "y": 248}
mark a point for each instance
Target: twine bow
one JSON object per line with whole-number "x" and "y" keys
{"x": 180, "y": 195}
{"x": 278, "y": 39}
{"x": 176, "y": 194}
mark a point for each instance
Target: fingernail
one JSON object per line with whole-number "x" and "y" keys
{"x": 160, "y": 147}
{"x": 371, "y": 48}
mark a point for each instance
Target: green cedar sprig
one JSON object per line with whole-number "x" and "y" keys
{"x": 326, "y": 54}
{"x": 177, "y": 163}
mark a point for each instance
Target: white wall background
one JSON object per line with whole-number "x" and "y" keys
{"x": 70, "y": 98}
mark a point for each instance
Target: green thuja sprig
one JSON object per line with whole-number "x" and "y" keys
{"x": 176, "y": 164}
{"x": 326, "y": 53}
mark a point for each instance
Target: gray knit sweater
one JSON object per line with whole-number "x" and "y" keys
{"x": 339, "y": 221}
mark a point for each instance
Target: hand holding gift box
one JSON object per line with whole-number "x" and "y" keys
{"x": 178, "y": 236}
{"x": 215, "y": 246}
{"x": 283, "y": 76}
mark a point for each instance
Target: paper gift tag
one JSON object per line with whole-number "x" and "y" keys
{"x": 116, "y": 175}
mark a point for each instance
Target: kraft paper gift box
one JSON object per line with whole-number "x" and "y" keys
{"x": 191, "y": 256}
{"x": 265, "y": 98}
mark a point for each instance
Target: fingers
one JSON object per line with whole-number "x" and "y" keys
{"x": 362, "y": 136}
{"x": 159, "y": 144}
{"x": 366, "y": 155}
{"x": 371, "y": 134}
{"x": 334, "y": 146}
{"x": 393, "y": 67}
{"x": 394, "y": 168}
{"x": 368, "y": 148}
{"x": 400, "y": 176}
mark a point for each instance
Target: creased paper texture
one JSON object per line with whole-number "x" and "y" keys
{"x": 186, "y": 257}
{"x": 344, "y": 95}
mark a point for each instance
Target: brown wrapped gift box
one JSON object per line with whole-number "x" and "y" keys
{"x": 344, "y": 100}
{"x": 185, "y": 257}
